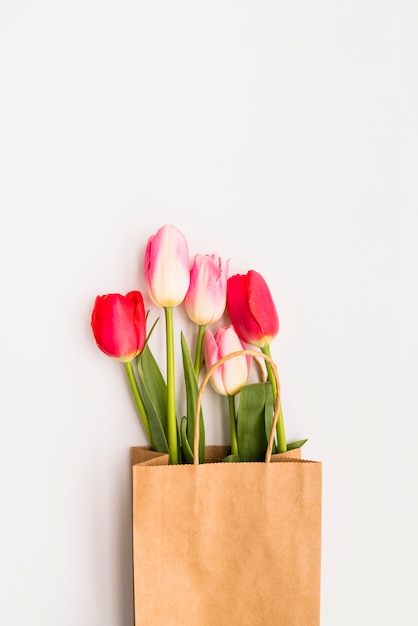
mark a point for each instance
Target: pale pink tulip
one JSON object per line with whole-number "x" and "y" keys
{"x": 205, "y": 300}
{"x": 228, "y": 378}
{"x": 167, "y": 267}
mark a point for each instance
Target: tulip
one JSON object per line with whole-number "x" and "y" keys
{"x": 251, "y": 309}
{"x": 167, "y": 275}
{"x": 254, "y": 317}
{"x": 119, "y": 328}
{"x": 229, "y": 377}
{"x": 118, "y": 324}
{"x": 167, "y": 268}
{"x": 205, "y": 300}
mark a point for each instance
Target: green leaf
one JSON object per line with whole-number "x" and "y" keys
{"x": 154, "y": 391}
{"x": 251, "y": 423}
{"x": 231, "y": 458}
{"x": 180, "y": 455}
{"x": 147, "y": 338}
{"x": 192, "y": 390}
{"x": 296, "y": 444}
{"x": 186, "y": 449}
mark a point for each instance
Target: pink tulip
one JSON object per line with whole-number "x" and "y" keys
{"x": 228, "y": 378}
{"x": 167, "y": 267}
{"x": 119, "y": 325}
{"x": 251, "y": 309}
{"x": 206, "y": 297}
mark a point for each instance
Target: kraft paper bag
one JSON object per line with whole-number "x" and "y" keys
{"x": 226, "y": 544}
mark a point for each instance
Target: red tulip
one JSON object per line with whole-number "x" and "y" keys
{"x": 119, "y": 325}
{"x": 251, "y": 309}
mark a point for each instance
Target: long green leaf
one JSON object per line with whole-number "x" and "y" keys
{"x": 154, "y": 391}
{"x": 251, "y": 428}
{"x": 192, "y": 390}
{"x": 185, "y": 447}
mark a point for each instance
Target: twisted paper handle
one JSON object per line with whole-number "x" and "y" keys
{"x": 256, "y": 354}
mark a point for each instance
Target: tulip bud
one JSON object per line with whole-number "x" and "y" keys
{"x": 205, "y": 300}
{"x": 119, "y": 325}
{"x": 166, "y": 267}
{"x": 229, "y": 377}
{"x": 251, "y": 309}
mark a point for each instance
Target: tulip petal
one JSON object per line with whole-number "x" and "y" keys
{"x": 235, "y": 371}
{"x": 261, "y": 305}
{"x": 212, "y": 356}
{"x": 244, "y": 322}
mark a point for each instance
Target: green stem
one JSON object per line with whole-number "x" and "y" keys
{"x": 233, "y": 425}
{"x": 138, "y": 399}
{"x": 198, "y": 355}
{"x": 171, "y": 395}
{"x": 281, "y": 436}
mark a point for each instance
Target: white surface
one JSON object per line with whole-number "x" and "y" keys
{"x": 281, "y": 134}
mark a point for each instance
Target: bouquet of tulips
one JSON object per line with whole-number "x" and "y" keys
{"x": 202, "y": 285}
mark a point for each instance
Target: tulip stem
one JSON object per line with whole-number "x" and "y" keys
{"x": 198, "y": 355}
{"x": 233, "y": 424}
{"x": 171, "y": 396}
{"x": 138, "y": 399}
{"x": 281, "y": 436}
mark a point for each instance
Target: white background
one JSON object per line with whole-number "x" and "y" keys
{"x": 282, "y": 135}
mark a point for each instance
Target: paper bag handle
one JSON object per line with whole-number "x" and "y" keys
{"x": 256, "y": 354}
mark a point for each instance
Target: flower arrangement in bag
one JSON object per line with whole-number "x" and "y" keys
{"x": 202, "y": 286}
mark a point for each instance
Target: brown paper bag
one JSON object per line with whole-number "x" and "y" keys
{"x": 226, "y": 544}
